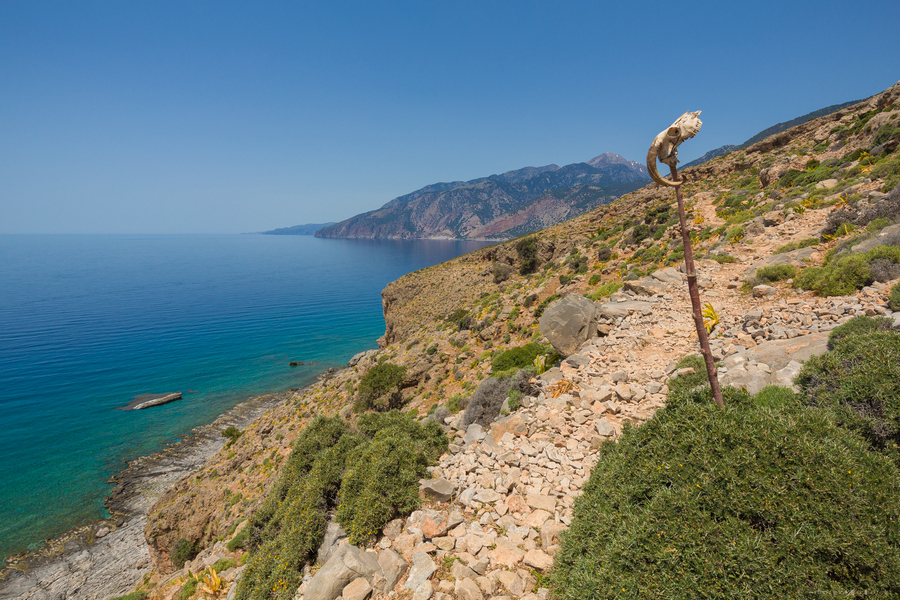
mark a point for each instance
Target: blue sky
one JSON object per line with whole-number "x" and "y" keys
{"x": 220, "y": 117}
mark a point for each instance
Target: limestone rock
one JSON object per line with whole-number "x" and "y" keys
{"x": 422, "y": 569}
{"x": 569, "y": 323}
{"x": 358, "y": 589}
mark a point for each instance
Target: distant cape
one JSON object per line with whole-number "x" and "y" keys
{"x": 306, "y": 229}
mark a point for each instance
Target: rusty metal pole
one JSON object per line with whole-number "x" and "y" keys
{"x": 694, "y": 292}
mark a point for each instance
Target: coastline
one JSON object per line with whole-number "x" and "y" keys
{"x": 87, "y": 562}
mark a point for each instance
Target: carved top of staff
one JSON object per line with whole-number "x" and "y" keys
{"x": 665, "y": 145}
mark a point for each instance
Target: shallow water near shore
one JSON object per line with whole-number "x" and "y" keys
{"x": 89, "y": 322}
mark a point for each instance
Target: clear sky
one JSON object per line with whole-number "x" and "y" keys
{"x": 181, "y": 116}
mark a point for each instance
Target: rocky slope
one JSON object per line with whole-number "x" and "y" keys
{"x": 498, "y": 500}
{"x": 499, "y": 206}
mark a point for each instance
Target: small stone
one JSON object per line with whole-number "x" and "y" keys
{"x": 438, "y": 489}
{"x": 538, "y": 559}
{"x": 422, "y": 569}
{"x": 358, "y": 589}
{"x": 604, "y": 428}
{"x": 467, "y": 589}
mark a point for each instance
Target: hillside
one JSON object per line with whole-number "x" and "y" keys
{"x": 808, "y": 206}
{"x": 777, "y": 128}
{"x": 305, "y": 229}
{"x": 500, "y": 206}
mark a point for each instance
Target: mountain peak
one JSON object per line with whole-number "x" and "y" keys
{"x": 609, "y": 158}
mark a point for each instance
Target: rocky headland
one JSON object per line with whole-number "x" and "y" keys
{"x": 607, "y": 291}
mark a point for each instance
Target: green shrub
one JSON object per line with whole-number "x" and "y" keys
{"x": 775, "y": 273}
{"x": 859, "y": 380}
{"x": 858, "y": 326}
{"x": 527, "y": 250}
{"x": 183, "y": 551}
{"x": 187, "y": 590}
{"x": 381, "y": 480}
{"x": 431, "y": 350}
{"x": 544, "y": 304}
{"x": 238, "y": 541}
{"x": 884, "y": 134}
{"x": 457, "y": 402}
{"x": 565, "y": 279}
{"x": 604, "y": 254}
{"x": 846, "y": 274}
{"x": 231, "y": 434}
{"x": 378, "y": 387}
{"x": 366, "y": 475}
{"x": 689, "y": 381}
{"x": 722, "y": 258}
{"x": 759, "y": 499}
{"x": 797, "y": 245}
{"x": 594, "y": 280}
{"x": 889, "y": 170}
{"x": 894, "y": 300}
{"x": 734, "y": 234}
{"x": 518, "y": 357}
{"x": 223, "y": 564}
{"x": 604, "y": 290}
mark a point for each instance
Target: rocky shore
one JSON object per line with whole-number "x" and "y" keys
{"x": 106, "y": 558}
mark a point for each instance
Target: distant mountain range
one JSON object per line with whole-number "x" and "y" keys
{"x": 307, "y": 229}
{"x": 499, "y": 206}
{"x": 770, "y": 131}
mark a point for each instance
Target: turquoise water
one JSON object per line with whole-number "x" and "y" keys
{"x": 88, "y": 322}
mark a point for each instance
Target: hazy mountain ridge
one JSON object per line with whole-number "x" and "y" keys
{"x": 778, "y": 128}
{"x": 498, "y": 206}
{"x": 305, "y": 229}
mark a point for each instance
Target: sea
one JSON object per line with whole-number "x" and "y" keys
{"x": 88, "y": 322}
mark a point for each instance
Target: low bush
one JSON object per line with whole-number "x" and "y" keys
{"x": 368, "y": 476}
{"x": 501, "y": 272}
{"x": 775, "y": 273}
{"x": 528, "y": 255}
{"x": 859, "y": 379}
{"x": 183, "y": 551}
{"x": 762, "y": 498}
{"x": 187, "y": 590}
{"x": 378, "y": 388}
{"x": 239, "y": 541}
{"x": 722, "y": 258}
{"x": 889, "y": 170}
{"x": 539, "y": 310}
{"x": 518, "y": 357}
{"x": 604, "y": 254}
{"x": 485, "y": 404}
{"x": 846, "y": 274}
{"x": 894, "y": 300}
{"x": 796, "y": 245}
{"x": 231, "y": 434}
{"x": 457, "y": 402}
{"x": 692, "y": 380}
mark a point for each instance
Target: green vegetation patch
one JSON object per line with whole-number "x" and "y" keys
{"x": 184, "y": 551}
{"x": 762, "y": 498}
{"x": 859, "y": 379}
{"x": 775, "y": 273}
{"x": 846, "y": 274}
{"x": 368, "y": 475}
{"x": 519, "y": 357}
{"x": 378, "y": 388}
{"x": 528, "y": 255}
{"x": 797, "y": 245}
{"x": 894, "y": 300}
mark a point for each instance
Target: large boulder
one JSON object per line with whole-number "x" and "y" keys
{"x": 569, "y": 322}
